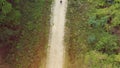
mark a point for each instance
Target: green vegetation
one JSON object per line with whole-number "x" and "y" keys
{"x": 93, "y": 33}
{"x": 9, "y": 19}
{"x": 24, "y": 27}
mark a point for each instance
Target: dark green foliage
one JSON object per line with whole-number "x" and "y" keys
{"x": 16, "y": 1}
{"x": 102, "y": 18}
{"x": 91, "y": 39}
{"x": 107, "y": 44}
{"x": 95, "y": 59}
{"x": 9, "y": 19}
{"x": 101, "y": 21}
{"x": 9, "y": 12}
{"x": 15, "y": 15}
{"x": 97, "y": 22}
{"x": 6, "y": 7}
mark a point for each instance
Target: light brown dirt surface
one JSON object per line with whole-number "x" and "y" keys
{"x": 56, "y": 48}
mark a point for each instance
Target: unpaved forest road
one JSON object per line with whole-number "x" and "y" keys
{"x": 56, "y": 41}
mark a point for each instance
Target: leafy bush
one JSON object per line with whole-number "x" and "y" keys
{"x": 102, "y": 20}
{"x": 97, "y": 22}
{"x": 107, "y": 44}
{"x": 91, "y": 39}
{"x": 6, "y": 7}
{"x": 15, "y": 16}
{"x": 9, "y": 19}
{"x": 95, "y": 59}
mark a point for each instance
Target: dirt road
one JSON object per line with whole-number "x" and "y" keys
{"x": 56, "y": 41}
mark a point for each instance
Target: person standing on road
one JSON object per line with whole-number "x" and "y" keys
{"x": 61, "y": 1}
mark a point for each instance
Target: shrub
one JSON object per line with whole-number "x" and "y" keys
{"x": 95, "y": 59}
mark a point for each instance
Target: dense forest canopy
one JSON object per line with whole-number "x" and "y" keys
{"x": 93, "y": 29}
{"x": 105, "y": 23}
{"x": 24, "y": 27}
{"x": 92, "y": 32}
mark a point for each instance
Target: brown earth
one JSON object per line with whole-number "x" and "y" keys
{"x": 4, "y": 50}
